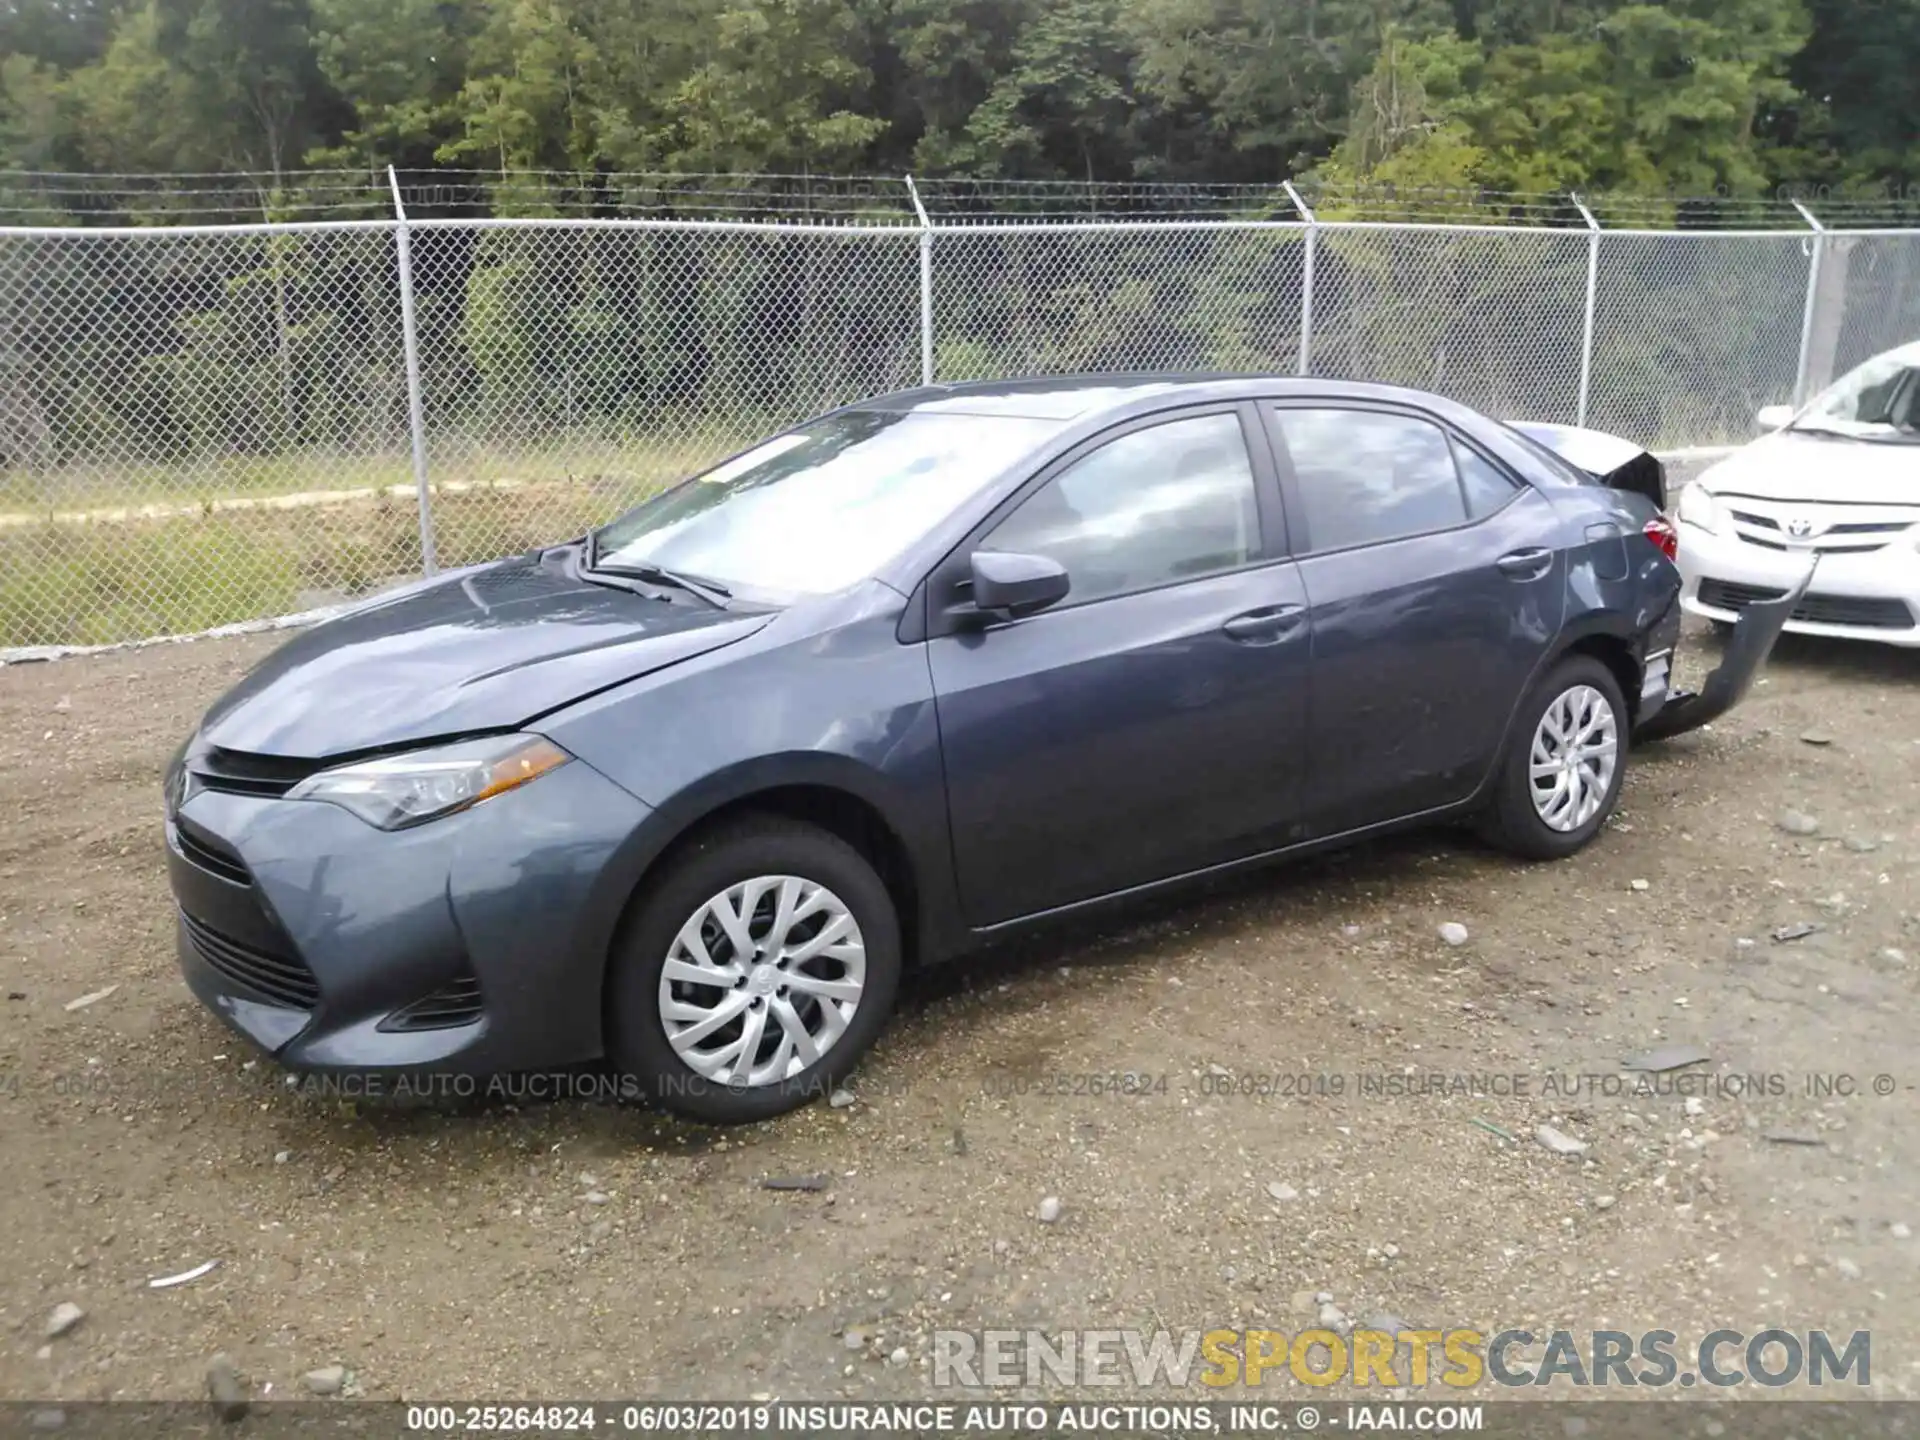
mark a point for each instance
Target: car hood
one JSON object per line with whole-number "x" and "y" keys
{"x": 487, "y": 648}
{"x": 1816, "y": 468}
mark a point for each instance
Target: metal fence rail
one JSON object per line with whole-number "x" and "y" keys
{"x": 208, "y": 424}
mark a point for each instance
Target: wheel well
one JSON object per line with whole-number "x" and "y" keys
{"x": 1617, "y": 656}
{"x": 840, "y": 813}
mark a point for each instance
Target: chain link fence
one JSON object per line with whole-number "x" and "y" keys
{"x": 202, "y": 425}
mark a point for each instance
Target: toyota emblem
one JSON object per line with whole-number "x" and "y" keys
{"x": 1800, "y": 529}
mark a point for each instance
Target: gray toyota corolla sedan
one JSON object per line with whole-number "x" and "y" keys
{"x": 688, "y": 794}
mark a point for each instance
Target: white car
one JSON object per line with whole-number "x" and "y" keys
{"x": 1837, "y": 483}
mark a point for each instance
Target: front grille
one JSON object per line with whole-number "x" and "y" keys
{"x": 1859, "y": 537}
{"x": 209, "y": 854}
{"x": 446, "y": 1008}
{"x": 1813, "y": 609}
{"x": 236, "y": 772}
{"x": 283, "y": 979}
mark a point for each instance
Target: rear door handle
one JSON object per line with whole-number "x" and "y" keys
{"x": 1529, "y": 564}
{"x": 1269, "y": 623}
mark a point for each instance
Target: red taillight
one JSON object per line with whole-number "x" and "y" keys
{"x": 1661, "y": 532}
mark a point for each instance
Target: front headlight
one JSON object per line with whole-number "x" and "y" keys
{"x": 401, "y": 790}
{"x": 1699, "y": 508}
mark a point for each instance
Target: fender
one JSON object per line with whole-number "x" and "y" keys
{"x": 940, "y": 932}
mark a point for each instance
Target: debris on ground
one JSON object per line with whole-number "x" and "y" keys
{"x": 93, "y": 997}
{"x": 1666, "y": 1057}
{"x": 185, "y": 1277}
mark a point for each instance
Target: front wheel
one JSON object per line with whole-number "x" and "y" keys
{"x": 1560, "y": 778}
{"x": 759, "y": 969}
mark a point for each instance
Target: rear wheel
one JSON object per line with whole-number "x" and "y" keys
{"x": 1561, "y": 776}
{"x": 759, "y": 969}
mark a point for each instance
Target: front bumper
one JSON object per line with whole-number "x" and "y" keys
{"x": 1869, "y": 595}
{"x": 468, "y": 945}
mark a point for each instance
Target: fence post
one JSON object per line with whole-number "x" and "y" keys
{"x": 1305, "y": 366}
{"x": 416, "y": 408}
{"x": 926, "y": 284}
{"x": 1593, "y": 291}
{"x": 1806, "y": 313}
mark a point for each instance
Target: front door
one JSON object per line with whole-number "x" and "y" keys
{"x": 1154, "y": 721}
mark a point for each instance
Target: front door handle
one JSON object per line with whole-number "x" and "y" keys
{"x": 1529, "y": 564}
{"x": 1269, "y": 623}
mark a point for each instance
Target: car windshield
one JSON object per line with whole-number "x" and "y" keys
{"x": 817, "y": 509}
{"x": 1879, "y": 400}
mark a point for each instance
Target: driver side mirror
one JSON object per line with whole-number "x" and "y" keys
{"x": 1011, "y": 584}
{"x": 1774, "y": 417}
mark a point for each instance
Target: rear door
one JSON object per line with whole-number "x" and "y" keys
{"x": 1434, "y": 587}
{"x": 1154, "y": 721}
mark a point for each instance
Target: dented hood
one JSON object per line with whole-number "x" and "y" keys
{"x": 482, "y": 649}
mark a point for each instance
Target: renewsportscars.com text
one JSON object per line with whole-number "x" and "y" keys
{"x": 1461, "y": 1358}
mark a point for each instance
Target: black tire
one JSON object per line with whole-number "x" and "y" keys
{"x": 1511, "y": 822}
{"x": 761, "y": 845}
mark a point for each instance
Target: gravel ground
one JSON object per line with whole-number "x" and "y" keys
{"x": 494, "y": 1250}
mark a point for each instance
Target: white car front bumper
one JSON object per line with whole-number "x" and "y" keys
{"x": 1855, "y": 595}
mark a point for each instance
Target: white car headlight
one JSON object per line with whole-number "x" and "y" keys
{"x": 396, "y": 791}
{"x": 1698, "y": 508}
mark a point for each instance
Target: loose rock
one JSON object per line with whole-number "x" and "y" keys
{"x": 1050, "y": 1210}
{"x": 1900, "y": 1230}
{"x": 1847, "y": 1268}
{"x": 1558, "y": 1143}
{"x": 1454, "y": 933}
{"x": 1796, "y": 823}
{"x": 65, "y": 1316}
{"x": 841, "y": 1099}
{"x": 327, "y": 1380}
{"x": 1603, "y": 1202}
{"x": 1637, "y": 885}
{"x": 225, "y": 1390}
{"x": 1282, "y": 1193}
{"x": 899, "y": 1355}
{"x": 1816, "y": 737}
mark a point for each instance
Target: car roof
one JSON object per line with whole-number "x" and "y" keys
{"x": 1075, "y": 397}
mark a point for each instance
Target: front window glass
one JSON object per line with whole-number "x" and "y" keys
{"x": 1879, "y": 400}
{"x": 1167, "y": 503}
{"x": 818, "y": 509}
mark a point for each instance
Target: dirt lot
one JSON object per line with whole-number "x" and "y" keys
{"x": 454, "y": 1252}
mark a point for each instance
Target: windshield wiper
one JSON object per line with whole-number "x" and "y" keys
{"x": 711, "y": 591}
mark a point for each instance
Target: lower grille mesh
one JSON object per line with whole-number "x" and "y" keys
{"x": 282, "y": 979}
{"x": 1813, "y": 609}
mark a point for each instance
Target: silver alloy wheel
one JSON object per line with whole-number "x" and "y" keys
{"x": 762, "y": 980}
{"x": 1576, "y": 747}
